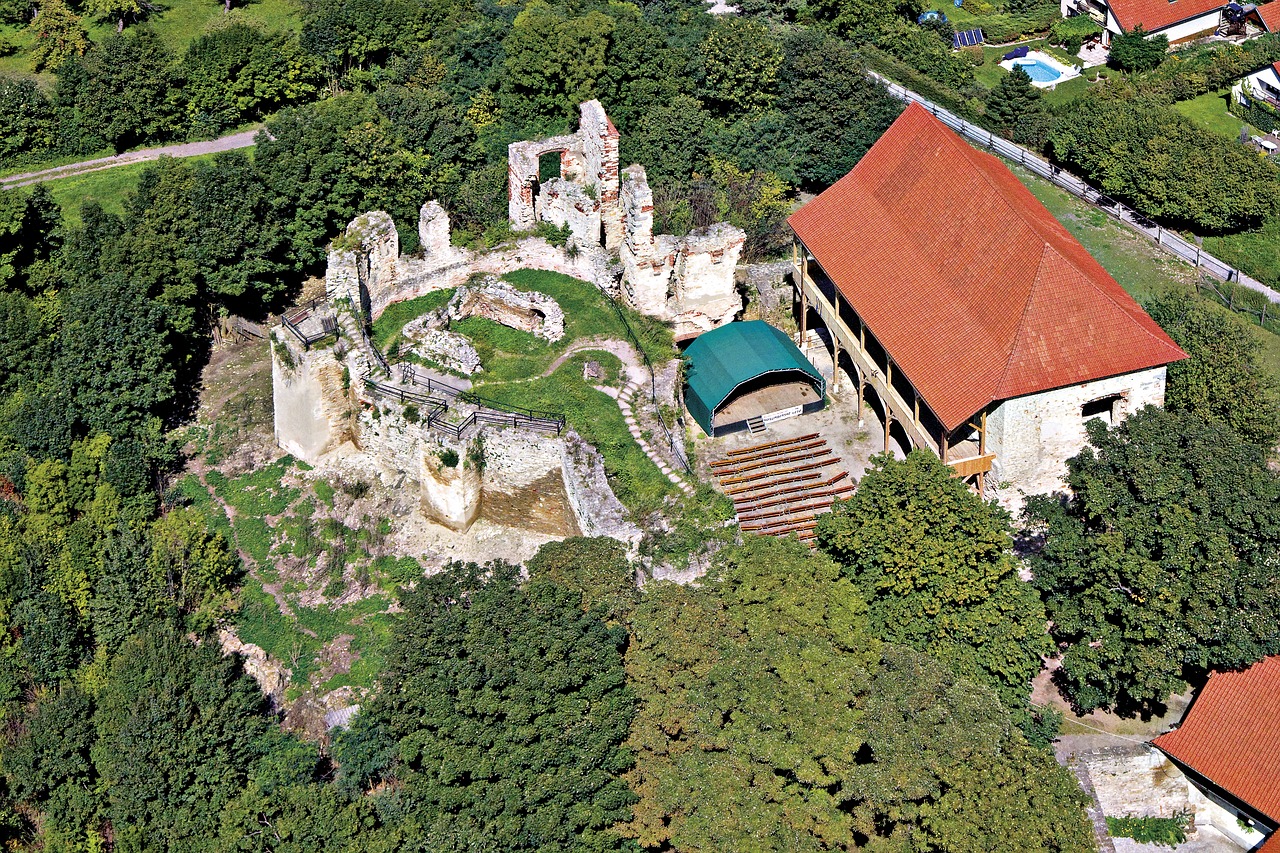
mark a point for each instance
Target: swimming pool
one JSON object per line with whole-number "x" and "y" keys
{"x": 1038, "y": 71}
{"x": 1045, "y": 71}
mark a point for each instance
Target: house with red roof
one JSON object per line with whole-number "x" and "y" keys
{"x": 1179, "y": 20}
{"x": 1228, "y": 745}
{"x": 969, "y": 319}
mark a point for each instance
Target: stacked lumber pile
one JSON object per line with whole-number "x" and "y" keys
{"x": 780, "y": 488}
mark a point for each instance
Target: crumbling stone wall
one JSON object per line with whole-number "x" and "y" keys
{"x": 688, "y": 281}
{"x": 498, "y": 301}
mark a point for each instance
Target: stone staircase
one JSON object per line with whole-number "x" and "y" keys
{"x": 625, "y": 398}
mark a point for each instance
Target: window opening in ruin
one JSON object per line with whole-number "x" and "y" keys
{"x": 548, "y": 166}
{"x": 1104, "y": 408}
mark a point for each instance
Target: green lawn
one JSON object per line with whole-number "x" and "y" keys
{"x": 1210, "y": 111}
{"x": 989, "y": 73}
{"x": 595, "y": 416}
{"x": 110, "y": 188}
{"x": 178, "y": 22}
{"x": 1142, "y": 269}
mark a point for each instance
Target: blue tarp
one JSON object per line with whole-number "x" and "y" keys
{"x": 1016, "y": 53}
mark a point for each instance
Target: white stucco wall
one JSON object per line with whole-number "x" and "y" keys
{"x": 1198, "y": 26}
{"x": 1032, "y": 437}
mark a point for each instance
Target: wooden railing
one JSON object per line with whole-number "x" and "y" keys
{"x": 966, "y": 468}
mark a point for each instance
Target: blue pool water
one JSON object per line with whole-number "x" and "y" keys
{"x": 1039, "y": 72}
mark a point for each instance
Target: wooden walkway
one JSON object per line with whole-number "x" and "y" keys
{"x": 781, "y": 487}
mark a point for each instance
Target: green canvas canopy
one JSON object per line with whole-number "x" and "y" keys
{"x": 722, "y": 360}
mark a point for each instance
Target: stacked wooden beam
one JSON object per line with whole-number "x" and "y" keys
{"x": 781, "y": 487}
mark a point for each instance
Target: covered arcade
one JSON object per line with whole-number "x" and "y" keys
{"x": 747, "y": 375}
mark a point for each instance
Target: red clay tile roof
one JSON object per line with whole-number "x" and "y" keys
{"x": 1270, "y": 15}
{"x": 1231, "y": 736}
{"x": 1272, "y": 844}
{"x": 972, "y": 286}
{"x": 1155, "y": 15}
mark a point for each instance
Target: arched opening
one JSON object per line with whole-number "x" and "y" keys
{"x": 899, "y": 441}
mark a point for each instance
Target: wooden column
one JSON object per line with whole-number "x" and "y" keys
{"x": 916, "y": 397}
{"x": 804, "y": 296}
{"x": 862, "y": 397}
{"x": 835, "y": 360}
{"x": 944, "y": 444}
{"x": 982, "y": 448}
{"x": 888, "y": 422}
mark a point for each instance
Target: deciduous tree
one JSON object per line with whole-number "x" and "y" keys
{"x": 1162, "y": 564}
{"x": 935, "y": 563}
{"x": 1222, "y": 379}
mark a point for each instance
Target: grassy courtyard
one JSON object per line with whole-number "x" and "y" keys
{"x": 1210, "y": 111}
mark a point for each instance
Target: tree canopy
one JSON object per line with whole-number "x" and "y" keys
{"x": 1161, "y": 565}
{"x": 501, "y": 717}
{"x": 936, "y": 566}
{"x": 771, "y": 718}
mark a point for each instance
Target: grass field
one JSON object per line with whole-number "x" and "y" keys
{"x": 1210, "y": 111}
{"x": 110, "y": 188}
{"x": 178, "y": 23}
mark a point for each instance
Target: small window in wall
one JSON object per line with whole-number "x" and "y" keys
{"x": 1106, "y": 408}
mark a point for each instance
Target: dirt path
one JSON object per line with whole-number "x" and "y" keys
{"x": 623, "y": 350}
{"x": 244, "y": 139}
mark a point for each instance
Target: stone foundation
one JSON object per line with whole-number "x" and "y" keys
{"x": 314, "y": 410}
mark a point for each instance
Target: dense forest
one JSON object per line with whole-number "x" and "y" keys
{"x": 872, "y": 694}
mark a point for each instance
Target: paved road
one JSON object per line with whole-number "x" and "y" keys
{"x": 187, "y": 149}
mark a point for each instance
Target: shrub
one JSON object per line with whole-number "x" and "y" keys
{"x": 1072, "y": 32}
{"x": 449, "y": 458}
{"x": 1166, "y": 831}
{"x": 1134, "y": 51}
{"x": 411, "y": 414}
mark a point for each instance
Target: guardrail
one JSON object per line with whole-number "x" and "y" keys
{"x": 1168, "y": 240}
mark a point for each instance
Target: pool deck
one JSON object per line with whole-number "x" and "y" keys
{"x": 1065, "y": 72}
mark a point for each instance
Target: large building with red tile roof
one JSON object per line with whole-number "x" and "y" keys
{"x": 1229, "y": 746}
{"x": 968, "y": 317}
{"x": 1180, "y": 20}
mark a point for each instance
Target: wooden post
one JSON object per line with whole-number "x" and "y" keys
{"x": 944, "y": 444}
{"x": 835, "y": 360}
{"x": 888, "y": 421}
{"x": 916, "y": 395}
{"x": 862, "y": 397}
{"x": 982, "y": 434}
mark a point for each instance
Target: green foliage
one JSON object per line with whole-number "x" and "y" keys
{"x": 1136, "y": 51}
{"x": 1014, "y": 101}
{"x": 1168, "y": 167}
{"x": 740, "y": 59}
{"x": 449, "y": 458}
{"x": 771, "y": 719}
{"x": 1201, "y": 68}
{"x": 1161, "y": 565}
{"x": 596, "y": 568}
{"x": 553, "y": 63}
{"x": 837, "y": 113}
{"x": 1222, "y": 380}
{"x": 1165, "y": 831}
{"x": 505, "y": 721}
{"x": 59, "y": 36}
{"x": 1072, "y": 32}
{"x": 935, "y": 563}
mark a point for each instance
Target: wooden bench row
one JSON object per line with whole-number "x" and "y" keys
{"x": 800, "y": 495}
{"x": 728, "y": 465}
{"x": 748, "y": 491}
{"x": 755, "y": 448}
{"x": 810, "y": 464}
{"x": 788, "y": 459}
{"x": 788, "y": 508}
